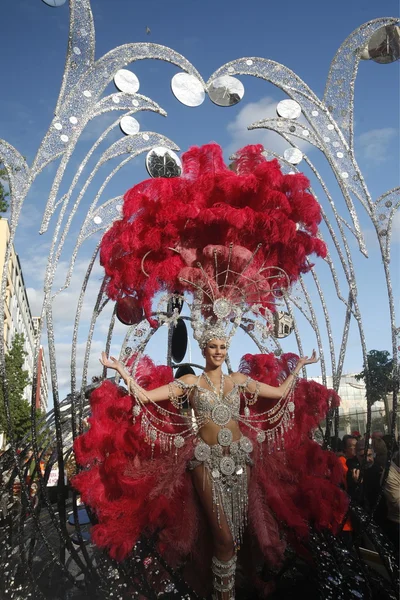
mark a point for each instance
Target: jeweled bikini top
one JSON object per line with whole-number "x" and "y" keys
{"x": 210, "y": 405}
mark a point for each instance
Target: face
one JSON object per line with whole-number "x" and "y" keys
{"x": 370, "y": 457}
{"x": 215, "y": 352}
{"x": 350, "y": 449}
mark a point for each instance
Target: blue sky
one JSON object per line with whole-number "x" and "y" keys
{"x": 301, "y": 36}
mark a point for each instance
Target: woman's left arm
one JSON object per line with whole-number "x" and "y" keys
{"x": 269, "y": 391}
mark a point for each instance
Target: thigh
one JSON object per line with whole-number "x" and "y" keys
{"x": 203, "y": 486}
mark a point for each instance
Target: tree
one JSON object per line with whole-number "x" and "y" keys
{"x": 3, "y": 192}
{"x": 17, "y": 379}
{"x": 378, "y": 376}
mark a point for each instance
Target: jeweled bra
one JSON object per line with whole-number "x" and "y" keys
{"x": 211, "y": 406}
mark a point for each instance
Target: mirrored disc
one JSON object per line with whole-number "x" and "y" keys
{"x": 188, "y": 89}
{"x": 163, "y": 162}
{"x": 293, "y": 155}
{"x": 283, "y": 324}
{"x": 384, "y": 45}
{"x": 129, "y": 125}
{"x": 226, "y": 90}
{"x": 129, "y": 311}
{"x": 184, "y": 370}
{"x": 179, "y": 341}
{"x": 54, "y": 3}
{"x": 288, "y": 109}
{"x": 126, "y": 81}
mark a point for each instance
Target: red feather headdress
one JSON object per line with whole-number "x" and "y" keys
{"x": 241, "y": 235}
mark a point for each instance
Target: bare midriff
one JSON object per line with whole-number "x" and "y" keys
{"x": 209, "y": 432}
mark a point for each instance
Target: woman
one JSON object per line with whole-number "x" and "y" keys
{"x": 229, "y": 243}
{"x": 226, "y": 511}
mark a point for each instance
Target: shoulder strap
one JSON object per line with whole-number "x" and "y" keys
{"x": 180, "y": 384}
{"x": 245, "y": 383}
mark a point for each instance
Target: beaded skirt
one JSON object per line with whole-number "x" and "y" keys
{"x": 225, "y": 466}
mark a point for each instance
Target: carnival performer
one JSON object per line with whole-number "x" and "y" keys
{"x": 228, "y": 244}
{"x": 222, "y": 460}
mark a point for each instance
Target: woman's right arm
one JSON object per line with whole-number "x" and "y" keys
{"x": 157, "y": 395}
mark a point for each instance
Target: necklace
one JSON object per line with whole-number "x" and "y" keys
{"x": 212, "y": 386}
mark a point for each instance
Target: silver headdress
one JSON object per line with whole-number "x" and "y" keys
{"x": 218, "y": 326}
{"x": 234, "y": 284}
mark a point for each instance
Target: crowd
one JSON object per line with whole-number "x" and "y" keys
{"x": 364, "y": 480}
{"x": 29, "y": 468}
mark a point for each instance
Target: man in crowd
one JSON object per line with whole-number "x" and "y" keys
{"x": 391, "y": 492}
{"x": 349, "y": 447}
{"x": 364, "y": 489}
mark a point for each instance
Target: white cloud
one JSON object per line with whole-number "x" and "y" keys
{"x": 374, "y": 144}
{"x": 250, "y": 113}
{"x": 65, "y": 303}
{"x": 63, "y": 352}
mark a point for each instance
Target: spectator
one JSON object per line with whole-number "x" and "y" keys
{"x": 391, "y": 492}
{"x": 365, "y": 490}
{"x": 349, "y": 446}
{"x": 380, "y": 451}
{"x": 356, "y": 434}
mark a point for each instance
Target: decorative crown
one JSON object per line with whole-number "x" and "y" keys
{"x": 226, "y": 288}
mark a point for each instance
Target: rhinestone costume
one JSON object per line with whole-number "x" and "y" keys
{"x": 225, "y": 462}
{"x": 207, "y": 404}
{"x": 225, "y": 466}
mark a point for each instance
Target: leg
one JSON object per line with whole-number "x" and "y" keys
{"x": 224, "y": 559}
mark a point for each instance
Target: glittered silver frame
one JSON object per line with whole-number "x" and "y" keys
{"x": 329, "y": 127}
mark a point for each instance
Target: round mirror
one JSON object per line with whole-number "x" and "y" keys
{"x": 54, "y": 3}
{"x": 188, "y": 89}
{"x": 184, "y": 370}
{"x": 384, "y": 45}
{"x": 129, "y": 125}
{"x": 126, "y": 81}
{"x": 179, "y": 341}
{"x": 293, "y": 155}
{"x": 128, "y": 311}
{"x": 226, "y": 90}
{"x": 163, "y": 162}
{"x": 288, "y": 109}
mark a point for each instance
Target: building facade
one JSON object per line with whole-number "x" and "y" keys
{"x": 42, "y": 387}
{"x": 18, "y": 318}
{"x": 353, "y": 406}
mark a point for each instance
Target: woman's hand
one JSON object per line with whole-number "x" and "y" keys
{"x": 305, "y": 360}
{"x": 111, "y": 363}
